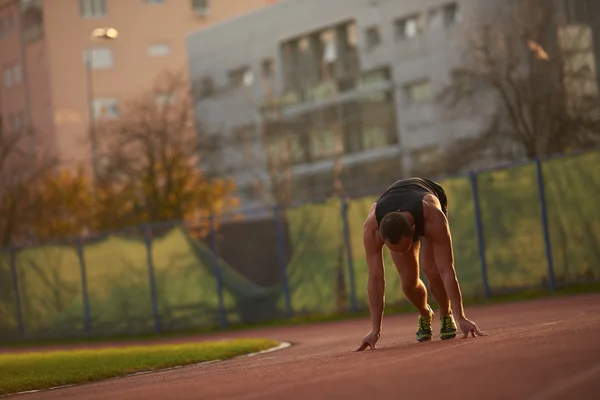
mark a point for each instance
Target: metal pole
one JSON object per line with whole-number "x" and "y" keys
{"x": 480, "y": 237}
{"x": 92, "y": 121}
{"x": 151, "y": 278}
{"x": 84, "y": 290}
{"x": 282, "y": 264}
{"x": 15, "y": 281}
{"x": 545, "y": 229}
{"x": 217, "y": 271}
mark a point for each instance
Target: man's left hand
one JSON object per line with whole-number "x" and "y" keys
{"x": 467, "y": 326}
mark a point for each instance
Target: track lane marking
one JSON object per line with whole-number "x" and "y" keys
{"x": 565, "y": 384}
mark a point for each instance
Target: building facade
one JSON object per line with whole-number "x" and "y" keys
{"x": 56, "y": 74}
{"x": 24, "y": 88}
{"x": 354, "y": 81}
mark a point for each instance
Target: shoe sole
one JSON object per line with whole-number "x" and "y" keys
{"x": 448, "y": 335}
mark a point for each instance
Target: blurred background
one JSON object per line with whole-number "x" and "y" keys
{"x": 179, "y": 164}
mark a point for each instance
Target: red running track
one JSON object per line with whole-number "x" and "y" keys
{"x": 536, "y": 350}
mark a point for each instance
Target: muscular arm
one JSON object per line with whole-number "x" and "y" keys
{"x": 441, "y": 239}
{"x": 376, "y": 280}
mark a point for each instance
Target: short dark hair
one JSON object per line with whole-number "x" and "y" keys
{"x": 394, "y": 226}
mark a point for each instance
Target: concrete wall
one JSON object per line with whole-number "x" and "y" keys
{"x": 253, "y": 37}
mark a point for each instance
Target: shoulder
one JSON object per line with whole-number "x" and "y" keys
{"x": 430, "y": 200}
{"x": 435, "y": 220}
{"x": 371, "y": 237}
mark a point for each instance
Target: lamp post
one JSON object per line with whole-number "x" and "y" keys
{"x": 101, "y": 34}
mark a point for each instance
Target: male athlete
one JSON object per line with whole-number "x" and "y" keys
{"x": 411, "y": 215}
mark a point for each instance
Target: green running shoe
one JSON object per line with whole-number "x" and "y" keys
{"x": 425, "y": 332}
{"x": 447, "y": 327}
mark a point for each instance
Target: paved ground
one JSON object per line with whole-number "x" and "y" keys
{"x": 544, "y": 349}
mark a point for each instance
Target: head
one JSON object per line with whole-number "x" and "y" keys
{"x": 397, "y": 232}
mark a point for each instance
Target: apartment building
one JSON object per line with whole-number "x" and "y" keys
{"x": 55, "y": 71}
{"x": 368, "y": 69}
{"x": 18, "y": 107}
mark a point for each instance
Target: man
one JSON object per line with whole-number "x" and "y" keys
{"x": 411, "y": 217}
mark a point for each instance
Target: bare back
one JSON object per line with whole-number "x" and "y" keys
{"x": 432, "y": 213}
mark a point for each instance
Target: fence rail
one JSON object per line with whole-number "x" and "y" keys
{"x": 535, "y": 224}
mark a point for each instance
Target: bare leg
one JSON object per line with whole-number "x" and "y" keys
{"x": 413, "y": 287}
{"x": 433, "y": 276}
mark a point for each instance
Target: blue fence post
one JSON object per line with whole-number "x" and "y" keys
{"x": 544, "y": 212}
{"x": 217, "y": 270}
{"x": 152, "y": 280}
{"x": 15, "y": 281}
{"x": 84, "y": 290}
{"x": 349, "y": 259}
{"x": 281, "y": 252}
{"x": 480, "y": 237}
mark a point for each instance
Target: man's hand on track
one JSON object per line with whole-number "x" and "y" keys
{"x": 467, "y": 326}
{"x": 369, "y": 341}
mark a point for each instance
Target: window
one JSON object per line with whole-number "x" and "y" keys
{"x": 7, "y": 76}
{"x": 92, "y": 8}
{"x": 328, "y": 41}
{"x": 10, "y": 23}
{"x": 419, "y": 91}
{"x": 33, "y": 23}
{"x": 106, "y": 108}
{"x": 267, "y": 67}
{"x": 373, "y": 35}
{"x": 16, "y": 73}
{"x": 159, "y": 49}
{"x": 204, "y": 88}
{"x": 352, "y": 40}
{"x": 434, "y": 19}
{"x": 242, "y": 76}
{"x": 409, "y": 27}
{"x": 374, "y": 137}
{"x": 99, "y": 58}
{"x": 164, "y": 98}
{"x": 200, "y": 6}
{"x": 16, "y": 122}
{"x": 426, "y": 155}
{"x": 322, "y": 143}
{"x": 451, "y": 14}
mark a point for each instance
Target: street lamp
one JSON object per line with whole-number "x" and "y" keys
{"x": 107, "y": 33}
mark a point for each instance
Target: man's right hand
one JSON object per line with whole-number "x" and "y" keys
{"x": 369, "y": 341}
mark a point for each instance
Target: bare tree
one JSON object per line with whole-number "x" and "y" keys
{"x": 538, "y": 73}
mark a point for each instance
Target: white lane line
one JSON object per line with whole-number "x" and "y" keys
{"x": 281, "y": 346}
{"x": 565, "y": 384}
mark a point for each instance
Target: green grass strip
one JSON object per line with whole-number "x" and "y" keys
{"x": 42, "y": 370}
